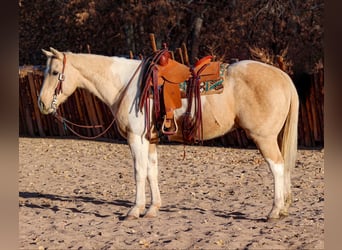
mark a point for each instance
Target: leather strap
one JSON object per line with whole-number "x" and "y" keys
{"x": 61, "y": 77}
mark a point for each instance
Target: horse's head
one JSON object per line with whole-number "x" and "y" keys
{"x": 58, "y": 82}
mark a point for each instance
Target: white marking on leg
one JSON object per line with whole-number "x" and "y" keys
{"x": 287, "y": 188}
{"x": 278, "y": 174}
{"x": 152, "y": 174}
{"x": 139, "y": 150}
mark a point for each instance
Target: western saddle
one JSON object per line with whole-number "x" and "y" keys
{"x": 166, "y": 82}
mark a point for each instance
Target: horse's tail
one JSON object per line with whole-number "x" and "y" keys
{"x": 289, "y": 140}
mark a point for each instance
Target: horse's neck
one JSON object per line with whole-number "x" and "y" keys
{"x": 105, "y": 77}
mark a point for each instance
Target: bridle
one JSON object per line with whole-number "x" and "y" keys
{"x": 58, "y": 89}
{"x": 61, "y": 77}
{"x": 65, "y": 122}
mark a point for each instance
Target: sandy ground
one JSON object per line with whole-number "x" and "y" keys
{"x": 74, "y": 194}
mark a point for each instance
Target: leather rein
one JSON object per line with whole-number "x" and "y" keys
{"x": 65, "y": 122}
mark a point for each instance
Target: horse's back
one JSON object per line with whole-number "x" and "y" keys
{"x": 256, "y": 74}
{"x": 262, "y": 95}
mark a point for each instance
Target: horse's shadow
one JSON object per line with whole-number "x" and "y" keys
{"x": 120, "y": 203}
{"x": 227, "y": 215}
{"x": 73, "y": 199}
{"x": 237, "y": 216}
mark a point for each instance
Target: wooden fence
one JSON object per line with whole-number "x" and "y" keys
{"x": 86, "y": 109}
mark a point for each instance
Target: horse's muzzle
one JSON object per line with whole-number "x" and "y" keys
{"x": 43, "y": 109}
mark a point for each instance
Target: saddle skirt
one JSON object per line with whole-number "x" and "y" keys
{"x": 173, "y": 72}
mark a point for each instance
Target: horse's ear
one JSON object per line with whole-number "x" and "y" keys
{"x": 47, "y": 53}
{"x": 56, "y": 53}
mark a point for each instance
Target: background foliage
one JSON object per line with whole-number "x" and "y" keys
{"x": 223, "y": 28}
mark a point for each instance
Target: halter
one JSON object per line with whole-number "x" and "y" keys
{"x": 61, "y": 77}
{"x": 58, "y": 90}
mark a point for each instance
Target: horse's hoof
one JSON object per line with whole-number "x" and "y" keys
{"x": 131, "y": 217}
{"x": 280, "y": 216}
{"x": 152, "y": 212}
{"x": 134, "y": 213}
{"x": 272, "y": 219}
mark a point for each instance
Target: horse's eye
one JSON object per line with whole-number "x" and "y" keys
{"x": 54, "y": 72}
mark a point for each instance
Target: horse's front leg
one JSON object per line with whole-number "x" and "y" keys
{"x": 152, "y": 175}
{"x": 139, "y": 148}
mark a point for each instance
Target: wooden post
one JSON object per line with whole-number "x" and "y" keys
{"x": 317, "y": 82}
{"x": 185, "y": 54}
{"x": 93, "y": 100}
{"x": 153, "y": 42}
{"x": 79, "y": 105}
{"x": 313, "y": 110}
{"x": 22, "y": 104}
{"x": 179, "y": 51}
{"x": 60, "y": 128}
{"x": 89, "y": 109}
{"x": 38, "y": 82}
{"x": 29, "y": 122}
{"x": 172, "y": 55}
{"x": 35, "y": 103}
{"x": 306, "y": 124}
{"x": 300, "y": 129}
{"x": 239, "y": 137}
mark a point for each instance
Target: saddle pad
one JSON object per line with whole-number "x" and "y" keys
{"x": 211, "y": 86}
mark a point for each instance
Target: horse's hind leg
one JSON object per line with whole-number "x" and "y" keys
{"x": 287, "y": 189}
{"x": 152, "y": 175}
{"x": 270, "y": 150}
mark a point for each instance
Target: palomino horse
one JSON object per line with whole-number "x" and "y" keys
{"x": 257, "y": 97}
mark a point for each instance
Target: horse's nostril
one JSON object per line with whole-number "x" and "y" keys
{"x": 40, "y": 104}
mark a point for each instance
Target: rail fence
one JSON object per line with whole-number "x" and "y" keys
{"x": 86, "y": 109}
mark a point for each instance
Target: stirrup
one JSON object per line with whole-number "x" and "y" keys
{"x": 169, "y": 132}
